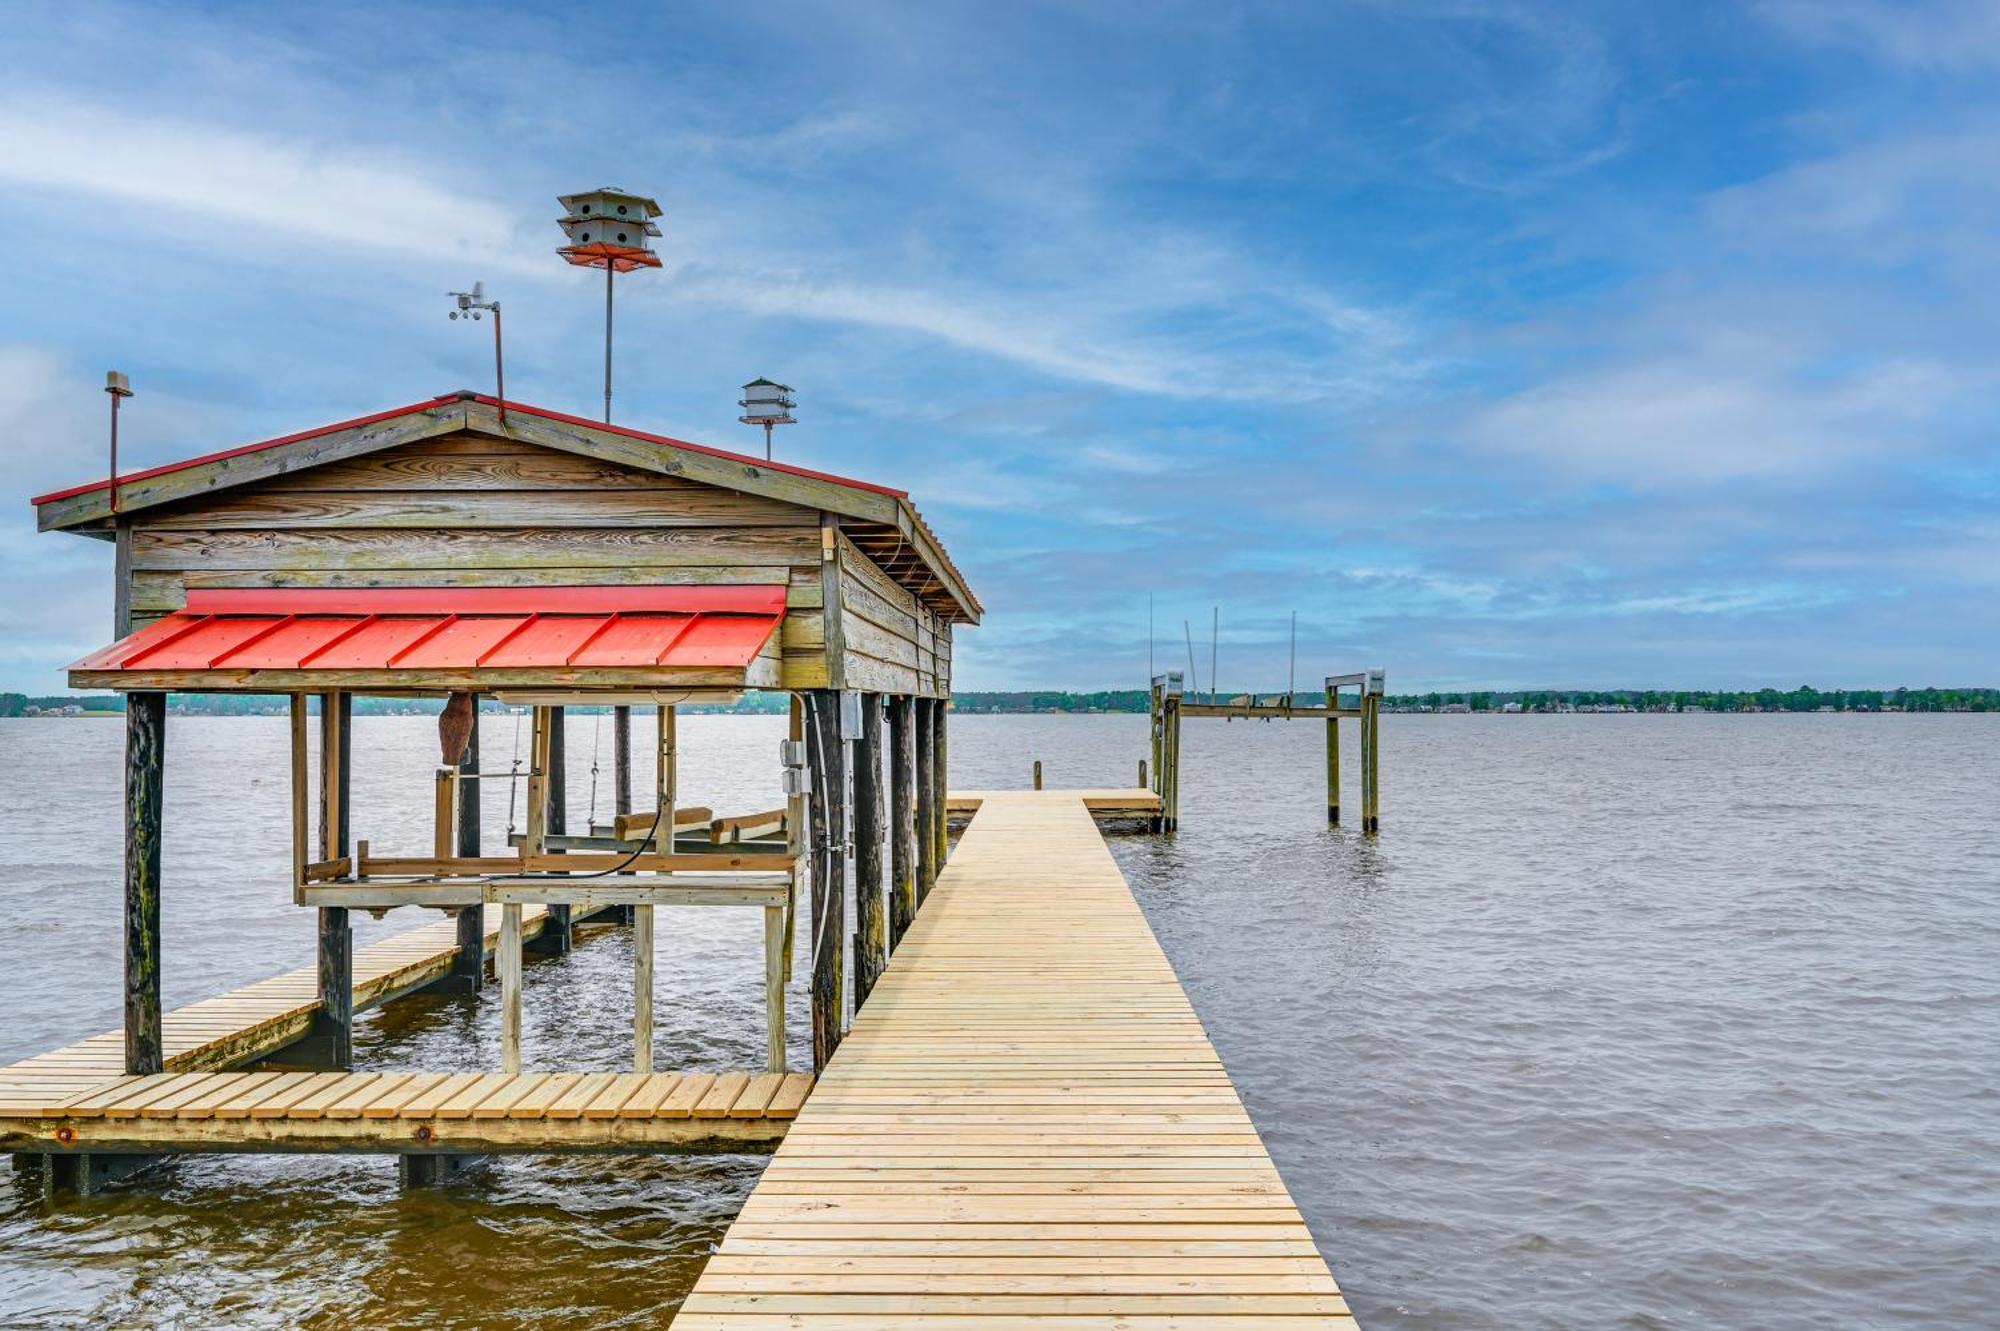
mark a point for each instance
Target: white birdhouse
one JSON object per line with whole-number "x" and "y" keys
{"x": 766, "y": 402}
{"x": 609, "y": 226}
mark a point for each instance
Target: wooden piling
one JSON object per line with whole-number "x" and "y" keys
{"x": 1371, "y": 763}
{"x": 1332, "y": 764}
{"x": 556, "y": 936}
{"x": 1142, "y": 774}
{"x": 927, "y": 864}
{"x": 829, "y": 905}
{"x": 509, "y": 965}
{"x": 145, "y": 789}
{"x": 642, "y": 987}
{"x": 871, "y": 933}
{"x": 621, "y": 760}
{"x": 330, "y": 1044}
{"x": 1038, "y": 774}
{"x": 941, "y": 776}
{"x": 468, "y": 968}
{"x": 774, "y": 988}
{"x": 902, "y": 819}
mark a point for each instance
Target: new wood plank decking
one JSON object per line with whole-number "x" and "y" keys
{"x": 1026, "y": 1125}
{"x": 469, "y": 1112}
{"x": 234, "y": 1028}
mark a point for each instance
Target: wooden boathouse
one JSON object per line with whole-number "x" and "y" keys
{"x": 462, "y": 547}
{"x": 1025, "y": 1121}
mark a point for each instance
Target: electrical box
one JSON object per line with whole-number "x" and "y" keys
{"x": 796, "y": 781}
{"x": 850, "y": 716}
{"x": 1377, "y": 681}
{"x": 792, "y": 753}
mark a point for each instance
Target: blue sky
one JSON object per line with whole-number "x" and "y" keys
{"x": 1507, "y": 344}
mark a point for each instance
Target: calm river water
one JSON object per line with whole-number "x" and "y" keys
{"x": 1625, "y": 1021}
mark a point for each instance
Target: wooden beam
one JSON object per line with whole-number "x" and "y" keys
{"x": 642, "y": 988}
{"x": 330, "y": 1043}
{"x": 621, "y": 759}
{"x": 774, "y": 987}
{"x": 508, "y": 962}
{"x": 871, "y": 932}
{"x": 186, "y": 482}
{"x": 829, "y": 878}
{"x": 941, "y": 775}
{"x": 1333, "y": 771}
{"x": 928, "y": 814}
{"x": 555, "y": 937}
{"x": 902, "y": 819}
{"x": 145, "y": 790}
{"x": 468, "y": 968}
{"x": 1371, "y": 764}
{"x": 832, "y": 622}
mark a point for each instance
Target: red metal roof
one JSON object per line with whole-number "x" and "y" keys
{"x": 127, "y": 478}
{"x": 453, "y": 628}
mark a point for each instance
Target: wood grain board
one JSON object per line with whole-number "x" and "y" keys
{"x": 1026, "y": 1126}
{"x": 247, "y": 1023}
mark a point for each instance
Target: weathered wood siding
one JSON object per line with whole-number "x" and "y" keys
{"x": 892, "y": 644}
{"x": 470, "y": 510}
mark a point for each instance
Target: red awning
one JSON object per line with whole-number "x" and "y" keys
{"x": 453, "y": 628}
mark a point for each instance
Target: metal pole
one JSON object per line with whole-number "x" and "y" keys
{"x": 609, "y": 269}
{"x": 499, "y": 370}
{"x": 1214, "y": 629}
{"x": 767, "y": 441}
{"x": 114, "y": 452}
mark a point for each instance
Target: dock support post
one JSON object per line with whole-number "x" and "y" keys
{"x": 1170, "y": 777}
{"x": 329, "y": 1043}
{"x": 555, "y": 937}
{"x": 509, "y": 965}
{"x": 621, "y": 760}
{"x": 774, "y": 988}
{"x": 434, "y": 1171}
{"x": 926, "y": 796}
{"x": 642, "y": 987}
{"x": 1038, "y": 774}
{"x": 871, "y": 932}
{"x": 902, "y": 819}
{"x": 1371, "y": 763}
{"x": 941, "y": 773}
{"x": 829, "y": 856}
{"x": 145, "y": 787}
{"x": 1332, "y": 760}
{"x": 468, "y": 968}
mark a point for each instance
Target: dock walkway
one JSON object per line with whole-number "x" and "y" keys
{"x": 245, "y": 1024}
{"x": 1026, "y": 1125}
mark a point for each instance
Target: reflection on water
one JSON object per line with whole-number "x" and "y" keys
{"x": 1624, "y": 1021}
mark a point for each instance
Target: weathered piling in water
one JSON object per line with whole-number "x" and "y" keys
{"x": 468, "y": 972}
{"x": 145, "y": 789}
{"x": 902, "y": 819}
{"x": 871, "y": 932}
{"x": 331, "y": 1041}
{"x": 927, "y": 800}
{"x": 829, "y": 877}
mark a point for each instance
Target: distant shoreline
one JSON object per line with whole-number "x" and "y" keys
{"x": 1059, "y": 703}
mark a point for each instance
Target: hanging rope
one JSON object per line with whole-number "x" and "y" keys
{"x": 514, "y": 784}
{"x": 596, "y": 730}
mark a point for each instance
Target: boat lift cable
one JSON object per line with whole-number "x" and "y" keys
{"x": 514, "y": 784}
{"x": 818, "y": 832}
{"x": 596, "y": 733}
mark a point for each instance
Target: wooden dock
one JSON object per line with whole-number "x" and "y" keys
{"x": 245, "y": 1024}
{"x": 1026, "y": 1124}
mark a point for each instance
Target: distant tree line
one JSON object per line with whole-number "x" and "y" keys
{"x": 1805, "y": 698}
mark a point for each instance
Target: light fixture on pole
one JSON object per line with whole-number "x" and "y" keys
{"x": 470, "y": 303}
{"x": 767, "y": 403}
{"x": 608, "y": 229}
{"x": 119, "y": 387}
